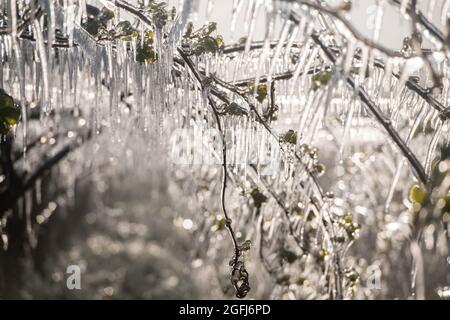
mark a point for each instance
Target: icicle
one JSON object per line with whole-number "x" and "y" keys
{"x": 432, "y": 148}
{"x": 314, "y": 100}
{"x": 364, "y": 65}
{"x": 51, "y": 33}
{"x": 279, "y": 47}
{"x": 21, "y": 73}
{"x": 209, "y": 8}
{"x": 347, "y": 128}
{"x": 349, "y": 57}
{"x": 399, "y": 169}
{"x": 237, "y": 7}
{"x": 266, "y": 47}
{"x": 292, "y": 38}
{"x": 444, "y": 12}
{"x": 308, "y": 65}
{"x": 300, "y": 67}
{"x": 251, "y": 31}
{"x": 430, "y": 9}
{"x": 44, "y": 67}
{"x": 378, "y": 21}
{"x": 418, "y": 281}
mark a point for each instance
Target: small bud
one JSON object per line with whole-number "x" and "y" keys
{"x": 346, "y": 6}
{"x": 314, "y": 153}
{"x": 304, "y": 148}
{"x": 329, "y": 195}
{"x": 319, "y": 169}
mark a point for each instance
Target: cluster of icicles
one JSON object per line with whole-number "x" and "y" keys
{"x": 297, "y": 221}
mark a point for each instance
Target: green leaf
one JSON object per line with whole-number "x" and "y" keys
{"x": 301, "y": 280}
{"x": 233, "y": 109}
{"x": 417, "y": 194}
{"x": 322, "y": 254}
{"x": 145, "y": 52}
{"x": 351, "y": 274}
{"x": 258, "y": 198}
{"x": 9, "y": 113}
{"x": 351, "y": 228}
{"x": 346, "y": 6}
{"x": 97, "y": 24}
{"x": 297, "y": 210}
{"x": 288, "y": 256}
{"x": 219, "y": 42}
{"x": 445, "y": 204}
{"x": 289, "y": 137}
{"x": 348, "y": 219}
{"x": 209, "y": 45}
{"x": 319, "y": 169}
{"x": 124, "y": 31}
{"x": 245, "y": 246}
{"x": 261, "y": 91}
{"x": 201, "y": 42}
{"x": 320, "y": 79}
{"x": 206, "y": 30}
{"x": 219, "y": 224}
{"x": 212, "y": 26}
{"x": 189, "y": 29}
{"x": 159, "y": 12}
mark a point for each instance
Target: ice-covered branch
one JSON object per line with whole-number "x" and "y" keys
{"x": 239, "y": 275}
{"x": 378, "y": 114}
{"x": 422, "y": 20}
{"x": 336, "y": 13}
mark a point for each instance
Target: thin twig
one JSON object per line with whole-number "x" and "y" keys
{"x": 228, "y": 223}
{"x": 261, "y": 120}
{"x": 378, "y": 114}
{"x": 437, "y": 81}
{"x": 424, "y": 22}
{"x": 359, "y": 36}
{"x": 285, "y": 210}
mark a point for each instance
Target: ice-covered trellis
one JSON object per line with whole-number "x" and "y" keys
{"x": 320, "y": 151}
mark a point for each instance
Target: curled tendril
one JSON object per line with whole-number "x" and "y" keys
{"x": 239, "y": 275}
{"x": 239, "y": 279}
